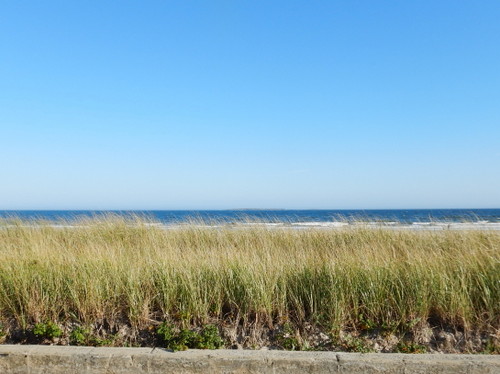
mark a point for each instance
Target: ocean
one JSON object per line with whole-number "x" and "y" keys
{"x": 484, "y": 218}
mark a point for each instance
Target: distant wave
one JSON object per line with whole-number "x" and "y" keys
{"x": 415, "y": 219}
{"x": 414, "y": 226}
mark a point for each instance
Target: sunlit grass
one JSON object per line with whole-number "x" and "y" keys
{"x": 122, "y": 270}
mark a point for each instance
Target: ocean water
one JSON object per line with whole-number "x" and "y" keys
{"x": 398, "y": 217}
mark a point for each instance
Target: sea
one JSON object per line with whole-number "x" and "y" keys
{"x": 394, "y": 218}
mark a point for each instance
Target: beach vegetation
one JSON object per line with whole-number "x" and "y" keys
{"x": 181, "y": 339}
{"x": 410, "y": 347}
{"x": 288, "y": 338}
{"x": 46, "y": 330}
{"x": 132, "y": 272}
{"x": 84, "y": 336}
{"x": 350, "y": 343}
{"x": 79, "y": 336}
{"x": 492, "y": 347}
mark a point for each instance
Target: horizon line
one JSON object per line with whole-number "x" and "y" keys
{"x": 227, "y": 209}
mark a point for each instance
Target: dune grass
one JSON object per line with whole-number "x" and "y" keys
{"x": 127, "y": 271}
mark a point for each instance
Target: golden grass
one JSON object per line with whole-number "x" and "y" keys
{"x": 127, "y": 271}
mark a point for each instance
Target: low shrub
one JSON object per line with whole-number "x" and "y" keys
{"x": 183, "y": 339}
{"x": 47, "y": 330}
{"x": 82, "y": 336}
{"x": 287, "y": 338}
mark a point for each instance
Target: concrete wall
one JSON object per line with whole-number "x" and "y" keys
{"x": 64, "y": 359}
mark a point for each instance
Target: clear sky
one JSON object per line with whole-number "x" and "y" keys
{"x": 249, "y": 104}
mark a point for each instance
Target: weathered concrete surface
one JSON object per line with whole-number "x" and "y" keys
{"x": 16, "y": 359}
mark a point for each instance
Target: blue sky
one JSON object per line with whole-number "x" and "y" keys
{"x": 249, "y": 104}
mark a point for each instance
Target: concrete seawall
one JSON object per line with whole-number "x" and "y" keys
{"x": 16, "y": 359}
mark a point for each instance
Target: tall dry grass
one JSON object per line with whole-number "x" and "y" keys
{"x": 129, "y": 271}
